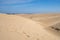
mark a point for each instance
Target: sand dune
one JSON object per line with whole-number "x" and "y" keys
{"x": 44, "y": 19}
{"x": 50, "y": 22}
{"x": 14, "y": 27}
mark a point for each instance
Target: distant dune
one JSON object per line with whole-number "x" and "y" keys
{"x": 14, "y": 27}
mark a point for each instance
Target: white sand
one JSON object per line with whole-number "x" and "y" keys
{"x": 19, "y": 28}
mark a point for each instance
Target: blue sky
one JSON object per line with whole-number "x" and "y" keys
{"x": 29, "y": 6}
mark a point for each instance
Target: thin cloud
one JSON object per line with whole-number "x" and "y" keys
{"x": 14, "y": 1}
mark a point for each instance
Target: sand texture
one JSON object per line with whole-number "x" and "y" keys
{"x": 13, "y": 27}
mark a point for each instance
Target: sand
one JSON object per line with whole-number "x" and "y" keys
{"x": 44, "y": 19}
{"x": 14, "y": 27}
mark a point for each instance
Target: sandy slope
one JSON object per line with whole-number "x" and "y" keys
{"x": 18, "y": 28}
{"x": 50, "y": 22}
{"x": 44, "y": 19}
